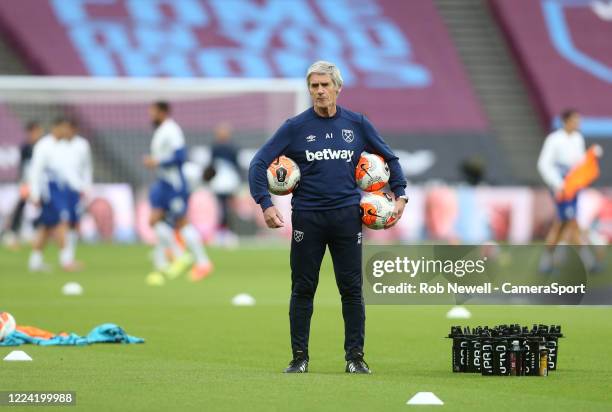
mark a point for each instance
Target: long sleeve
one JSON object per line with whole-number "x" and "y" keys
{"x": 25, "y": 159}
{"x": 87, "y": 168}
{"x": 168, "y": 140}
{"x": 547, "y": 168}
{"x": 258, "y": 180}
{"x": 377, "y": 145}
{"x": 177, "y": 159}
{"x": 35, "y": 175}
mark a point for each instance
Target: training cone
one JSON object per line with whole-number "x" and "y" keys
{"x": 72, "y": 289}
{"x": 243, "y": 299}
{"x": 17, "y": 355}
{"x": 458, "y": 312}
{"x": 424, "y": 398}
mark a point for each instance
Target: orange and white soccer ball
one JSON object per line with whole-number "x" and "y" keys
{"x": 7, "y": 324}
{"x": 372, "y": 172}
{"x": 377, "y": 209}
{"x": 283, "y": 176}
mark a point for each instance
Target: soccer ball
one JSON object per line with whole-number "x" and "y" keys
{"x": 377, "y": 209}
{"x": 283, "y": 176}
{"x": 372, "y": 172}
{"x": 7, "y": 324}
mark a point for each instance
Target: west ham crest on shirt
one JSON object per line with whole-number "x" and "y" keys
{"x": 348, "y": 135}
{"x": 298, "y": 235}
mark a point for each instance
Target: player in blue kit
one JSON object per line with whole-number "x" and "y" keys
{"x": 79, "y": 179}
{"x": 169, "y": 198}
{"x": 563, "y": 150}
{"x": 326, "y": 142}
{"x": 48, "y": 181}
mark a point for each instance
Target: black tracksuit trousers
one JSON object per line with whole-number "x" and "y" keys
{"x": 340, "y": 230}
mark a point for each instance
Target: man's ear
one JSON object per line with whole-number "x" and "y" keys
{"x": 338, "y": 91}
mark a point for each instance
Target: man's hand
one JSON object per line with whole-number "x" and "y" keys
{"x": 273, "y": 218}
{"x": 149, "y": 162}
{"x": 400, "y": 204}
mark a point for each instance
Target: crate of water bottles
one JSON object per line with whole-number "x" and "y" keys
{"x": 506, "y": 350}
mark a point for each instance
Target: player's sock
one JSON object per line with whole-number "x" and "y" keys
{"x": 167, "y": 240}
{"x": 66, "y": 257}
{"x": 587, "y": 257}
{"x": 35, "y": 262}
{"x": 192, "y": 240}
{"x": 546, "y": 261}
{"x": 165, "y": 237}
{"x": 72, "y": 238}
{"x": 159, "y": 257}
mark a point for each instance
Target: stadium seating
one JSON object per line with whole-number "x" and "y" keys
{"x": 564, "y": 49}
{"x": 384, "y": 48}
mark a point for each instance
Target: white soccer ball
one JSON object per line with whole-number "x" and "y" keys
{"x": 7, "y": 324}
{"x": 377, "y": 209}
{"x": 372, "y": 172}
{"x": 283, "y": 176}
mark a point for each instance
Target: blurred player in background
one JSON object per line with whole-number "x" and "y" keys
{"x": 325, "y": 207}
{"x": 226, "y": 180}
{"x": 34, "y": 132}
{"x": 48, "y": 189}
{"x": 562, "y": 151}
{"x": 169, "y": 198}
{"x": 79, "y": 170}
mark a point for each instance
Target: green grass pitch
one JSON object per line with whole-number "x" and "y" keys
{"x": 201, "y": 353}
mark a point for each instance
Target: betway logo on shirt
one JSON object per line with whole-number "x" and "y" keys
{"x": 329, "y": 154}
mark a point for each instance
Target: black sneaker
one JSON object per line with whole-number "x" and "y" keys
{"x": 299, "y": 363}
{"x": 357, "y": 365}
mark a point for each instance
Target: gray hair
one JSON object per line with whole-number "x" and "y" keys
{"x": 325, "y": 67}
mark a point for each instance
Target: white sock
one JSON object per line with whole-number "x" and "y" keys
{"x": 192, "y": 240}
{"x": 546, "y": 260}
{"x": 66, "y": 257}
{"x": 159, "y": 257}
{"x": 36, "y": 260}
{"x": 587, "y": 257}
{"x": 72, "y": 238}
{"x": 165, "y": 238}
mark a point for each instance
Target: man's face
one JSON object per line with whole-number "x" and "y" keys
{"x": 61, "y": 130}
{"x": 322, "y": 90}
{"x": 223, "y": 133}
{"x": 156, "y": 116}
{"x": 71, "y": 131}
{"x": 573, "y": 122}
{"x": 36, "y": 133}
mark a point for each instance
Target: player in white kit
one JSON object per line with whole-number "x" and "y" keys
{"x": 79, "y": 169}
{"x": 48, "y": 189}
{"x": 169, "y": 197}
{"x": 563, "y": 149}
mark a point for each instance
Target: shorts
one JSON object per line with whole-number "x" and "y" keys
{"x": 75, "y": 208}
{"x": 567, "y": 210}
{"x": 174, "y": 202}
{"x": 55, "y": 209}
